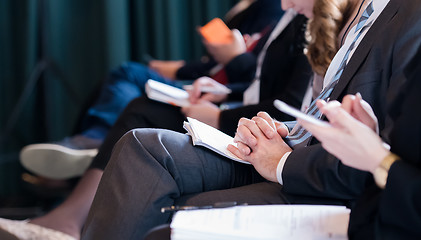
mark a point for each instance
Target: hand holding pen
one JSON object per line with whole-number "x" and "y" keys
{"x": 215, "y": 92}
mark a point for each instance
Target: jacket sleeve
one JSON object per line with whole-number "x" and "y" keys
{"x": 195, "y": 69}
{"x": 400, "y": 205}
{"x": 314, "y": 172}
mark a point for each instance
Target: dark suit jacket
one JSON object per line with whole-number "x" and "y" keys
{"x": 376, "y": 66}
{"x": 395, "y": 212}
{"x": 285, "y": 75}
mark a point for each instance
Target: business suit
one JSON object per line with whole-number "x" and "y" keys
{"x": 285, "y": 75}
{"x": 376, "y": 66}
{"x": 174, "y": 169}
{"x": 394, "y": 213}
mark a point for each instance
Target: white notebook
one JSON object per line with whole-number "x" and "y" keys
{"x": 166, "y": 93}
{"x": 264, "y": 222}
{"x": 210, "y": 137}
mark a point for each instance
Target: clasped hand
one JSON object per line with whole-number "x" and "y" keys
{"x": 259, "y": 141}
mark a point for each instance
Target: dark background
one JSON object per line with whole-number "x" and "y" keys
{"x": 79, "y": 41}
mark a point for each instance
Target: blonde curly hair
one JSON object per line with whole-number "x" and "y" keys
{"x": 329, "y": 17}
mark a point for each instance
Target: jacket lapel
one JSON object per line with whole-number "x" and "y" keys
{"x": 364, "y": 47}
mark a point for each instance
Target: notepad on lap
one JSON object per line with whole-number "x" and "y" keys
{"x": 166, "y": 93}
{"x": 210, "y": 137}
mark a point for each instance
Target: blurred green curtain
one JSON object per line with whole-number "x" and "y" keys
{"x": 80, "y": 41}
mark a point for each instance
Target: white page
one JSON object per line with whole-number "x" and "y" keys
{"x": 263, "y": 222}
{"x": 210, "y": 137}
{"x": 167, "y": 94}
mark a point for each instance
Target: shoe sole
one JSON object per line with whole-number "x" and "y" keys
{"x": 55, "y": 161}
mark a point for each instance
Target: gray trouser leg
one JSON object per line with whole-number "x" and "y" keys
{"x": 148, "y": 170}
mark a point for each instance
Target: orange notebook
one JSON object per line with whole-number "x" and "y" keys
{"x": 216, "y": 31}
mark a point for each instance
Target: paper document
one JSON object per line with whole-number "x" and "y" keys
{"x": 210, "y": 137}
{"x": 264, "y": 222}
{"x": 167, "y": 94}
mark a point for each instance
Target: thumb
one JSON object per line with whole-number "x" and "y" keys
{"x": 364, "y": 112}
{"x": 281, "y": 129}
{"x": 237, "y": 35}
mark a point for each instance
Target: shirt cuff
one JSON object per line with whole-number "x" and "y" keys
{"x": 280, "y": 167}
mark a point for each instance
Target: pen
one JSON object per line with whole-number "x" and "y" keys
{"x": 207, "y": 89}
{"x": 216, "y": 205}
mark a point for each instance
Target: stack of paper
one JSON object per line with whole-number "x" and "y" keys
{"x": 210, "y": 137}
{"x": 166, "y": 93}
{"x": 264, "y": 222}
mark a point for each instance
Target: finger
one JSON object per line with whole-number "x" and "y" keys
{"x": 320, "y": 103}
{"x": 244, "y": 149}
{"x": 342, "y": 119}
{"x": 253, "y": 128}
{"x": 207, "y": 97}
{"x": 245, "y": 136}
{"x": 282, "y": 129}
{"x": 265, "y": 127}
{"x": 237, "y": 152}
{"x": 322, "y": 133}
{"x": 268, "y": 118}
{"x": 363, "y": 111}
{"x": 330, "y": 109}
{"x": 315, "y": 130}
{"x": 237, "y": 35}
{"x": 242, "y": 121}
{"x": 347, "y": 103}
{"x": 194, "y": 94}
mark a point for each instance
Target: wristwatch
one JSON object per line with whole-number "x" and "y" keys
{"x": 382, "y": 171}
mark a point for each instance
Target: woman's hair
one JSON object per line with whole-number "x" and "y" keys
{"x": 329, "y": 17}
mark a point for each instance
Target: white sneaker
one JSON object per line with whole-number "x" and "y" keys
{"x": 66, "y": 159}
{"x": 22, "y": 230}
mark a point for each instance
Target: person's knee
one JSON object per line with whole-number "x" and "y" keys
{"x": 137, "y": 103}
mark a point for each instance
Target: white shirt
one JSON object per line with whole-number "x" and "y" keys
{"x": 252, "y": 93}
{"x": 378, "y": 6}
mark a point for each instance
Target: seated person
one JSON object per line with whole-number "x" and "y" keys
{"x": 389, "y": 208}
{"x": 390, "y": 205}
{"x": 285, "y": 73}
{"x": 71, "y": 156}
{"x": 153, "y": 168}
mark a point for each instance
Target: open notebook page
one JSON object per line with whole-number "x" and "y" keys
{"x": 210, "y": 137}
